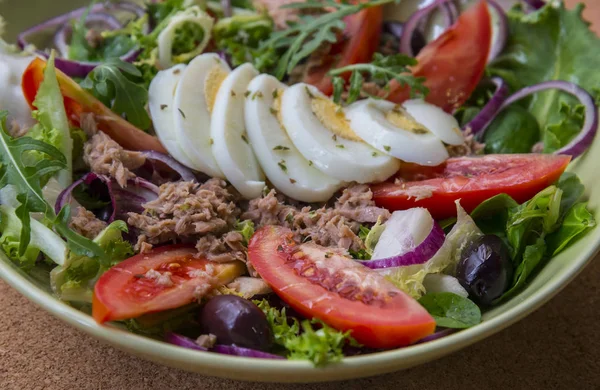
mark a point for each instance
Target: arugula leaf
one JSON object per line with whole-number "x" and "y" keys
{"x": 111, "y": 83}
{"x": 26, "y": 181}
{"x": 311, "y": 340}
{"x": 450, "y": 310}
{"x": 240, "y": 35}
{"x": 577, "y": 222}
{"x": 53, "y": 123}
{"x": 382, "y": 70}
{"x": 305, "y": 36}
{"x": 552, "y": 43}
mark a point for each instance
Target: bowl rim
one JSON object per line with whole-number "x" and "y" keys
{"x": 249, "y": 368}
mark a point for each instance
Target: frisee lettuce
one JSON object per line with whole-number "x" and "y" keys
{"x": 311, "y": 340}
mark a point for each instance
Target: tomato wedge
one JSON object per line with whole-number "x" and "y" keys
{"x": 337, "y": 290}
{"x": 78, "y": 101}
{"x": 164, "y": 278}
{"x": 470, "y": 179}
{"x": 363, "y": 31}
{"x": 454, "y": 63}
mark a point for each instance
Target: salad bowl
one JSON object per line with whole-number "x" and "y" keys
{"x": 549, "y": 280}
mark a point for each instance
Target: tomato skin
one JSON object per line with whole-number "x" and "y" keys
{"x": 363, "y": 30}
{"x": 122, "y": 292}
{"x": 77, "y": 101}
{"x": 392, "y": 321}
{"x": 470, "y": 179}
{"x": 454, "y": 63}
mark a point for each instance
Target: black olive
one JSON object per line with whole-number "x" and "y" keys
{"x": 485, "y": 269}
{"x": 236, "y": 321}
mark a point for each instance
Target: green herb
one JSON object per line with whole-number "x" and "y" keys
{"x": 340, "y": 146}
{"x": 382, "y": 70}
{"x": 310, "y": 340}
{"x": 245, "y": 139}
{"x": 387, "y": 148}
{"x": 181, "y": 113}
{"x": 289, "y": 218}
{"x": 280, "y": 147}
{"x": 111, "y": 82}
{"x": 374, "y": 154}
{"x": 553, "y": 43}
{"x": 450, "y": 310}
{"x": 310, "y": 163}
{"x": 287, "y": 48}
{"x": 292, "y": 181}
{"x": 282, "y": 165}
{"x": 273, "y": 111}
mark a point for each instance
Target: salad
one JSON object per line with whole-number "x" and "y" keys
{"x": 295, "y": 179}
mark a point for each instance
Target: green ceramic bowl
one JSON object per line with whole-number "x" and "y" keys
{"x": 549, "y": 281}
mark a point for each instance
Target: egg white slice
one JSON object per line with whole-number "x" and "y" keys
{"x": 340, "y": 157}
{"x": 288, "y": 171}
{"x": 368, "y": 119}
{"x": 160, "y": 101}
{"x": 436, "y": 120}
{"x": 231, "y": 146}
{"x": 192, "y": 115}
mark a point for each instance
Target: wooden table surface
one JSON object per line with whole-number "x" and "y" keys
{"x": 555, "y": 348}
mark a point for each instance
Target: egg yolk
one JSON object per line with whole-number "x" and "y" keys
{"x": 214, "y": 79}
{"x": 401, "y": 119}
{"x": 332, "y": 117}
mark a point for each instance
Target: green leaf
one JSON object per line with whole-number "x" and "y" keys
{"x": 565, "y": 128}
{"x": 532, "y": 256}
{"x": 577, "y": 222}
{"x": 53, "y": 120}
{"x": 110, "y": 82}
{"x": 450, "y": 310}
{"x": 550, "y": 44}
{"x": 572, "y": 190}
{"x": 514, "y": 130}
{"x": 246, "y": 229}
{"x": 491, "y": 215}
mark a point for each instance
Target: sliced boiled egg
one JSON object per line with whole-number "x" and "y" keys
{"x": 285, "y": 167}
{"x": 434, "y": 119}
{"x": 194, "y": 99}
{"x": 161, "y": 96}
{"x": 321, "y": 132}
{"x": 230, "y": 144}
{"x": 392, "y": 131}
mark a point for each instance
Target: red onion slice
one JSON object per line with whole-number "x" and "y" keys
{"x": 410, "y": 237}
{"x": 489, "y": 111}
{"x": 185, "y": 173}
{"x": 246, "y": 352}
{"x": 66, "y": 195}
{"x": 437, "y": 335}
{"x": 535, "y": 4}
{"x": 500, "y": 32}
{"x": 413, "y": 22}
{"x": 107, "y": 21}
{"x": 80, "y": 68}
{"x": 590, "y": 126}
{"x": 186, "y": 342}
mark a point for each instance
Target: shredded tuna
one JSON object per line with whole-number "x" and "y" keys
{"x": 161, "y": 279}
{"x": 106, "y": 157}
{"x": 16, "y": 130}
{"x": 470, "y": 147}
{"x": 328, "y": 226}
{"x": 187, "y": 210}
{"x": 227, "y": 248}
{"x": 538, "y": 147}
{"x": 207, "y": 340}
{"x": 88, "y": 124}
{"x": 85, "y": 223}
{"x": 248, "y": 287}
{"x": 142, "y": 246}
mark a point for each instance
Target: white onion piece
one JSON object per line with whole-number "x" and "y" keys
{"x": 403, "y": 232}
{"x": 436, "y": 283}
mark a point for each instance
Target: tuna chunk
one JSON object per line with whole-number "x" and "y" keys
{"x": 85, "y": 223}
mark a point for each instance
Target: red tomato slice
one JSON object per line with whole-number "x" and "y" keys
{"x": 363, "y": 31}
{"x": 470, "y": 179}
{"x": 127, "y": 291}
{"x": 78, "y": 101}
{"x": 454, "y": 63}
{"x": 337, "y": 290}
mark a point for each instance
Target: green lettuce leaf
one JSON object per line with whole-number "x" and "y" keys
{"x": 75, "y": 279}
{"x": 53, "y": 126}
{"x": 532, "y": 256}
{"x": 551, "y": 44}
{"x": 450, "y": 310}
{"x": 246, "y": 229}
{"x": 577, "y": 222}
